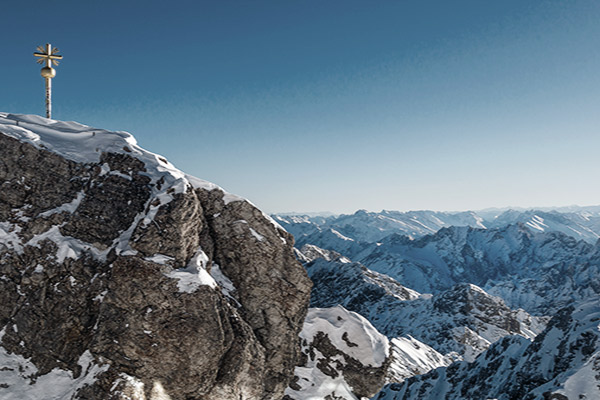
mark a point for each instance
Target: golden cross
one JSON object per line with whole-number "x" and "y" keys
{"x": 48, "y": 55}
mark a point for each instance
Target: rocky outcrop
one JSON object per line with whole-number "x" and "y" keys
{"x": 344, "y": 357}
{"x": 121, "y": 277}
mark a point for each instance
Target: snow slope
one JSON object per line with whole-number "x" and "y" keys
{"x": 582, "y": 225}
{"x": 364, "y": 226}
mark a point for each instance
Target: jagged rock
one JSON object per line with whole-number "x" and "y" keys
{"x": 123, "y": 278}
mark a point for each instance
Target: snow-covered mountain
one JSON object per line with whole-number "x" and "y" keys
{"x": 345, "y": 357}
{"x": 457, "y": 323}
{"x": 561, "y": 363}
{"x": 482, "y": 270}
{"x": 364, "y": 226}
{"x": 583, "y": 225}
{"x": 411, "y": 357}
{"x": 537, "y": 271}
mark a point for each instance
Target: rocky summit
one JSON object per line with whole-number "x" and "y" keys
{"x": 122, "y": 277}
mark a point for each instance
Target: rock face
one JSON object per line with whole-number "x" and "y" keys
{"x": 123, "y": 278}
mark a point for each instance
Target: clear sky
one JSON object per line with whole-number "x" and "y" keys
{"x": 333, "y": 105}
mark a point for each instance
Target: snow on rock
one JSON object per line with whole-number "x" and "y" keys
{"x": 194, "y": 274}
{"x": 368, "y": 346}
{"x": 227, "y": 287}
{"x": 85, "y": 144}
{"x": 411, "y": 357}
{"x": 460, "y": 322}
{"x": 18, "y": 380}
{"x": 346, "y": 357}
{"x": 67, "y": 207}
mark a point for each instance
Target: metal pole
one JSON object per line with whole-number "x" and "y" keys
{"x": 48, "y": 83}
{"x": 48, "y": 98}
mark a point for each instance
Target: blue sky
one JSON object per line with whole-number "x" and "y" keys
{"x": 333, "y": 105}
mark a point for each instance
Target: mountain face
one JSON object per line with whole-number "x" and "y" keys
{"x": 561, "y": 363}
{"x": 123, "y": 278}
{"x": 473, "y": 336}
{"x": 364, "y": 226}
{"x": 582, "y": 225}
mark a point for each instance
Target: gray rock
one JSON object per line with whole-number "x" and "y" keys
{"x": 73, "y": 298}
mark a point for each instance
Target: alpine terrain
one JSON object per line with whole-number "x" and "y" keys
{"x": 495, "y": 304}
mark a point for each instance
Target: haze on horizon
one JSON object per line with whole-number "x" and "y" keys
{"x": 333, "y": 106}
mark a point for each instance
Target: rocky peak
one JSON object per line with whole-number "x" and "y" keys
{"x": 344, "y": 357}
{"x": 128, "y": 278}
{"x": 467, "y": 299}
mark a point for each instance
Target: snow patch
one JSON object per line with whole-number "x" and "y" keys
{"x": 411, "y": 357}
{"x": 67, "y": 207}
{"x": 227, "y": 287}
{"x": 17, "y": 382}
{"x": 194, "y": 274}
{"x": 369, "y": 346}
{"x": 257, "y": 235}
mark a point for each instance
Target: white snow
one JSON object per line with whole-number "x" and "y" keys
{"x": 585, "y": 380}
{"x": 160, "y": 259}
{"x": 58, "y": 384}
{"x": 371, "y": 348}
{"x": 68, "y": 247}
{"x": 315, "y": 385}
{"x": 100, "y": 297}
{"x": 194, "y": 274}
{"x": 411, "y": 357}
{"x": 9, "y": 236}
{"x": 227, "y": 287}
{"x": 85, "y": 144}
{"x": 67, "y": 207}
{"x": 362, "y": 342}
{"x": 257, "y": 235}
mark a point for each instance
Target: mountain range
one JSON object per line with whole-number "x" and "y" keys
{"x": 451, "y": 290}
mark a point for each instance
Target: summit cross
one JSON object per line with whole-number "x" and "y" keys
{"x": 50, "y": 57}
